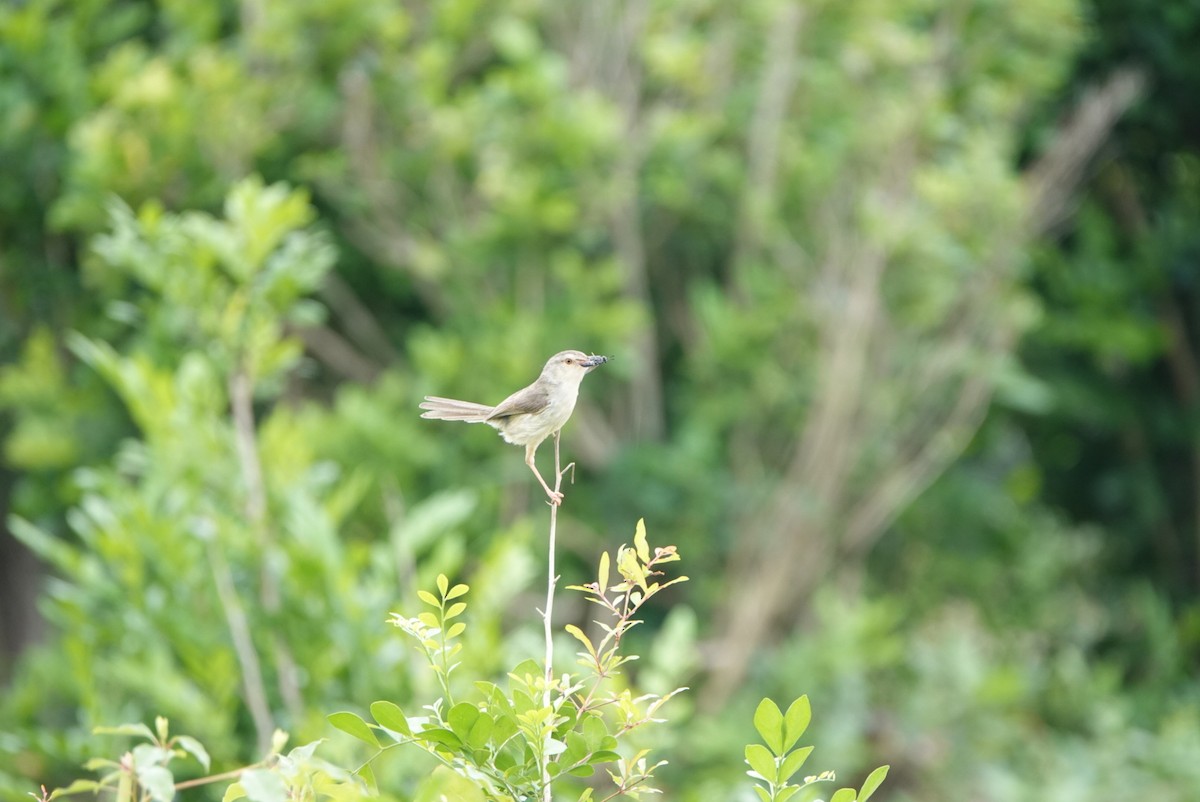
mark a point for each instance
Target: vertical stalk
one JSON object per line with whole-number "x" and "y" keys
{"x": 551, "y": 581}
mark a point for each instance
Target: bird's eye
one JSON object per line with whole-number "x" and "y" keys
{"x": 570, "y": 361}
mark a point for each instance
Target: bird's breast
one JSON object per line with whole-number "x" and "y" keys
{"x": 534, "y": 427}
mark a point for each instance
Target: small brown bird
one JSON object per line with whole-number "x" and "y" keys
{"x": 528, "y": 416}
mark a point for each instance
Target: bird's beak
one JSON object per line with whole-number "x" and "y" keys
{"x": 593, "y": 361}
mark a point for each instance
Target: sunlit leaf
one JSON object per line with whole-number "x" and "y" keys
{"x": 351, "y": 724}
{"x": 389, "y": 716}
{"x": 195, "y": 749}
{"x": 769, "y": 723}
{"x": 795, "y": 722}
{"x": 262, "y": 785}
{"x": 762, "y": 761}
{"x": 872, "y": 783}
{"x": 639, "y": 541}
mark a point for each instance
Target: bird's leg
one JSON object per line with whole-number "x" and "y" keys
{"x": 558, "y": 461}
{"x": 555, "y": 497}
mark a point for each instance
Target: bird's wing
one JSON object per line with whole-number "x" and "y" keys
{"x": 522, "y": 402}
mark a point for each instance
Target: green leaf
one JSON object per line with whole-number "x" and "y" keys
{"x": 792, "y": 763}
{"x": 593, "y": 730}
{"x": 769, "y": 723}
{"x": 481, "y": 732}
{"x": 74, "y": 788}
{"x": 461, "y": 718}
{"x": 843, "y": 795}
{"x": 639, "y": 541}
{"x": 389, "y": 716}
{"x": 368, "y": 777}
{"x": 577, "y": 633}
{"x": 126, "y": 729}
{"x": 195, "y": 749}
{"x": 763, "y": 794}
{"x": 234, "y": 792}
{"x": 456, "y": 629}
{"x": 428, "y": 598}
{"x": 351, "y": 724}
{"x": 438, "y": 735}
{"x": 603, "y": 756}
{"x": 504, "y": 728}
{"x": 158, "y": 781}
{"x": 263, "y": 785}
{"x": 763, "y": 762}
{"x": 443, "y": 585}
{"x": 799, "y": 713}
{"x": 582, "y": 771}
{"x": 872, "y": 783}
{"x": 455, "y": 609}
{"x": 784, "y": 794}
{"x": 457, "y": 591}
{"x": 602, "y": 579}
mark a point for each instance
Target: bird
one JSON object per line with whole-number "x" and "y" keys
{"x": 530, "y": 415}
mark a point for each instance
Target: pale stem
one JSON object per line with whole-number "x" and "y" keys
{"x": 551, "y": 581}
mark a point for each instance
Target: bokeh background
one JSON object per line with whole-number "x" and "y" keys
{"x": 904, "y": 300}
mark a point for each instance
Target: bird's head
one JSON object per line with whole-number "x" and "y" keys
{"x": 571, "y": 366}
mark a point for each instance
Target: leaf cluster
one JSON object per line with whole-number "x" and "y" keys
{"x": 778, "y": 761}
{"x": 513, "y": 739}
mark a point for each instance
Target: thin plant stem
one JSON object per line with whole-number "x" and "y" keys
{"x": 243, "y": 647}
{"x": 241, "y": 401}
{"x": 551, "y": 581}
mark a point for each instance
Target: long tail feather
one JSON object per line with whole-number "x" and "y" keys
{"x": 452, "y": 409}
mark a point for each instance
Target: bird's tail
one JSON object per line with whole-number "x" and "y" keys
{"x": 450, "y": 409}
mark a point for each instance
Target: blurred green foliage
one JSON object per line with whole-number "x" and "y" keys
{"x": 802, "y": 230}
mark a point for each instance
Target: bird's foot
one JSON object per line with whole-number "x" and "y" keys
{"x": 555, "y": 498}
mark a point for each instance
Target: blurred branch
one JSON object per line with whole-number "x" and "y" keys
{"x": 605, "y": 57}
{"x": 335, "y": 353}
{"x": 765, "y": 132}
{"x": 243, "y": 646}
{"x": 241, "y": 399}
{"x": 1054, "y": 177}
{"x": 359, "y": 323}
